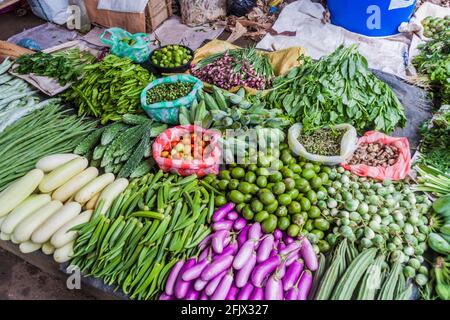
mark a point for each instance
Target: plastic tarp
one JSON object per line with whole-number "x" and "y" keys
{"x": 50, "y": 10}
{"x": 132, "y": 6}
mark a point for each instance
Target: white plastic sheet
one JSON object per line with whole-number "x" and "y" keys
{"x": 50, "y": 10}
{"x": 132, "y": 6}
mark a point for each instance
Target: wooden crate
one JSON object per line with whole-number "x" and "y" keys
{"x": 156, "y": 13}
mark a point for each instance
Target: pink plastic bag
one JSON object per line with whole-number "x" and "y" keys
{"x": 397, "y": 171}
{"x": 201, "y": 166}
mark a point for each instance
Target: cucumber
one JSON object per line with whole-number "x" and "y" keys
{"x": 136, "y": 157}
{"x": 99, "y": 151}
{"x": 111, "y": 132}
{"x": 89, "y": 142}
{"x": 136, "y": 119}
{"x": 108, "y": 157}
{"x": 130, "y": 140}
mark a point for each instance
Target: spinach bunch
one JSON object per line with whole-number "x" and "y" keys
{"x": 338, "y": 88}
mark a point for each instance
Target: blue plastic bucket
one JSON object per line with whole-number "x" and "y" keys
{"x": 373, "y": 18}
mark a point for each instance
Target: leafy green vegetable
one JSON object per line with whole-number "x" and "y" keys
{"x": 337, "y": 89}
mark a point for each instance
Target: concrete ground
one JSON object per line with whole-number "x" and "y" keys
{"x": 18, "y": 279}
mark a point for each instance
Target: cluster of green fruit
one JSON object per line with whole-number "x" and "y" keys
{"x": 434, "y": 27}
{"x": 171, "y": 56}
{"x": 279, "y": 191}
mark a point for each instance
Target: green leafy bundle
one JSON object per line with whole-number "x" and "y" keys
{"x": 338, "y": 88}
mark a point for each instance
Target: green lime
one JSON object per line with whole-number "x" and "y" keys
{"x": 296, "y": 168}
{"x": 294, "y": 207}
{"x": 252, "y": 167}
{"x": 233, "y": 185}
{"x": 324, "y": 177}
{"x": 281, "y": 211}
{"x": 298, "y": 219}
{"x": 286, "y": 157}
{"x": 314, "y": 212}
{"x": 293, "y": 193}
{"x": 323, "y": 246}
{"x": 257, "y": 205}
{"x": 266, "y": 197}
{"x": 248, "y": 197}
{"x": 240, "y": 206}
{"x": 312, "y": 196}
{"x": 289, "y": 184}
{"x": 223, "y": 184}
{"x": 236, "y": 196}
{"x": 326, "y": 169}
{"x": 316, "y": 168}
{"x": 276, "y": 177}
{"x": 286, "y": 172}
{"x": 269, "y": 225}
{"x": 263, "y": 172}
{"x": 309, "y": 225}
{"x": 245, "y": 187}
{"x": 271, "y": 208}
{"x": 247, "y": 213}
{"x": 261, "y": 216}
{"x": 321, "y": 224}
{"x": 263, "y": 162}
{"x": 279, "y": 188}
{"x": 305, "y": 203}
{"x": 316, "y": 182}
{"x": 238, "y": 173}
{"x": 284, "y": 199}
{"x": 283, "y": 223}
{"x": 301, "y": 184}
{"x": 250, "y": 177}
{"x": 220, "y": 200}
{"x": 225, "y": 174}
{"x": 254, "y": 188}
{"x": 276, "y": 164}
{"x": 293, "y": 230}
{"x": 319, "y": 234}
{"x": 308, "y": 174}
{"x": 308, "y": 165}
{"x": 261, "y": 181}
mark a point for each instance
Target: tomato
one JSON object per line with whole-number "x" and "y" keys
{"x": 314, "y": 212}
{"x": 237, "y": 173}
{"x": 236, "y": 196}
{"x": 257, "y": 205}
{"x": 281, "y": 211}
{"x": 294, "y": 207}
{"x": 283, "y": 223}
{"x": 220, "y": 200}
{"x": 284, "y": 199}
{"x": 261, "y": 216}
{"x": 269, "y": 224}
{"x": 293, "y": 230}
{"x": 261, "y": 181}
{"x": 278, "y": 188}
{"x": 250, "y": 177}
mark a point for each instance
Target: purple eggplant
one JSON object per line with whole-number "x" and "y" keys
{"x": 281, "y": 270}
{"x": 308, "y": 255}
{"x": 212, "y": 285}
{"x": 170, "y": 284}
{"x": 243, "y": 254}
{"x": 222, "y": 225}
{"x": 239, "y": 224}
{"x": 181, "y": 287}
{"x": 281, "y": 246}
{"x": 223, "y": 288}
{"x": 216, "y": 267}
{"x": 203, "y": 296}
{"x": 232, "y": 216}
{"x": 304, "y": 285}
{"x": 277, "y": 234}
{"x": 200, "y": 284}
{"x": 292, "y": 274}
{"x": 274, "y": 288}
{"x": 204, "y": 254}
{"x": 254, "y": 233}
{"x": 264, "y": 269}
{"x": 195, "y": 271}
{"x": 232, "y": 294}
{"x": 290, "y": 248}
{"x": 257, "y": 294}
{"x": 245, "y": 292}
{"x": 289, "y": 240}
{"x": 218, "y": 240}
{"x": 222, "y": 212}
{"x": 273, "y": 252}
{"x": 244, "y": 273}
{"x": 242, "y": 237}
{"x": 292, "y": 294}
{"x": 192, "y": 294}
{"x": 205, "y": 242}
{"x": 164, "y": 296}
{"x": 232, "y": 248}
{"x": 292, "y": 257}
{"x": 264, "y": 248}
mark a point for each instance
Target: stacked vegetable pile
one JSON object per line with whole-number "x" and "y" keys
{"x": 45, "y": 131}
{"x": 124, "y": 147}
{"x": 434, "y": 27}
{"x": 364, "y": 275}
{"x": 109, "y": 88}
{"x": 64, "y": 66}
{"x": 156, "y": 221}
{"x": 169, "y": 92}
{"x": 286, "y": 193}
{"x": 238, "y": 262}
{"x": 45, "y": 219}
{"x": 338, "y": 88}
{"x": 235, "y": 68}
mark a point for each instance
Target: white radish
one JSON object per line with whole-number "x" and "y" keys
{"x": 23, "y": 210}
{"x": 48, "y": 248}
{"x": 13, "y": 239}
{"x": 5, "y": 236}
{"x": 26, "y": 228}
{"x": 63, "y": 236}
{"x": 28, "y": 247}
{"x": 51, "y": 162}
{"x": 62, "y": 174}
{"x": 74, "y": 185}
{"x": 1, "y": 221}
{"x": 111, "y": 192}
{"x": 93, "y": 187}
{"x": 64, "y": 253}
{"x": 45, "y": 231}
{"x": 90, "y": 205}
{"x": 19, "y": 190}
